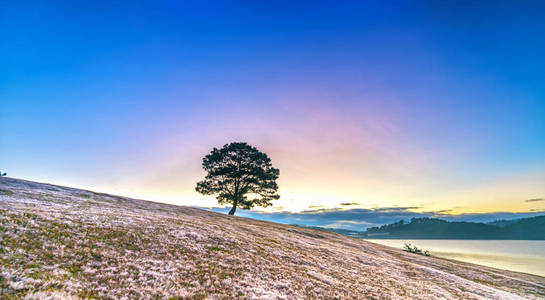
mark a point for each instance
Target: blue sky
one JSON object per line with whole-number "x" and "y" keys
{"x": 434, "y": 105}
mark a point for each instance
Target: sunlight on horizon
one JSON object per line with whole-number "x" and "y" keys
{"x": 452, "y": 122}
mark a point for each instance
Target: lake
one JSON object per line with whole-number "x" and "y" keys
{"x": 514, "y": 255}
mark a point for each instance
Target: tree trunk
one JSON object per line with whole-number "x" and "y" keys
{"x": 232, "y": 211}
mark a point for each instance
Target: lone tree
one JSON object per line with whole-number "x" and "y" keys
{"x": 241, "y": 175}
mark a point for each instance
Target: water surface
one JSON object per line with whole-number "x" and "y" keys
{"x": 520, "y": 256}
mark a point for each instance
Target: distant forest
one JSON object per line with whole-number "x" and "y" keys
{"x": 431, "y": 228}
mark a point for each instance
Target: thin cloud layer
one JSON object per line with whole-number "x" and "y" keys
{"x": 534, "y": 200}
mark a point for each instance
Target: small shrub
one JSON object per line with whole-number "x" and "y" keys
{"x": 30, "y": 216}
{"x": 88, "y": 294}
{"x": 6, "y": 192}
{"x": 185, "y": 284}
{"x": 74, "y": 268}
{"x": 96, "y": 256}
{"x": 216, "y": 249}
{"x": 415, "y": 250}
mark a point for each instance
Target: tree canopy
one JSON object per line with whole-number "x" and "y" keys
{"x": 240, "y": 175}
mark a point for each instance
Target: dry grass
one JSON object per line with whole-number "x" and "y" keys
{"x": 70, "y": 243}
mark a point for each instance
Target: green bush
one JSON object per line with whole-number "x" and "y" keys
{"x": 415, "y": 250}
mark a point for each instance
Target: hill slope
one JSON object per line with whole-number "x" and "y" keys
{"x": 75, "y": 243}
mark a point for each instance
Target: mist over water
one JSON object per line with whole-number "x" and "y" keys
{"x": 514, "y": 255}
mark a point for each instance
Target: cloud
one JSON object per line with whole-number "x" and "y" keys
{"x": 534, "y": 200}
{"x": 344, "y": 223}
{"x": 349, "y": 203}
{"x": 396, "y": 208}
{"x": 360, "y": 218}
{"x": 351, "y": 222}
{"x": 315, "y": 206}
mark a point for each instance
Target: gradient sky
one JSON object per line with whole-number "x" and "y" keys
{"x": 437, "y": 106}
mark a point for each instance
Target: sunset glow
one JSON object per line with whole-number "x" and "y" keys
{"x": 366, "y": 113}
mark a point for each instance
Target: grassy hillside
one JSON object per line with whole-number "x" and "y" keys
{"x": 74, "y": 243}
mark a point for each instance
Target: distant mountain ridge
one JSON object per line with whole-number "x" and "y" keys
{"x": 502, "y": 223}
{"x": 432, "y": 228}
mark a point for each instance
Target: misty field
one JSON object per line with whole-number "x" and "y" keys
{"x": 70, "y": 243}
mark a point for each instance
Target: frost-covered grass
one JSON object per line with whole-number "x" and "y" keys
{"x": 67, "y": 243}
